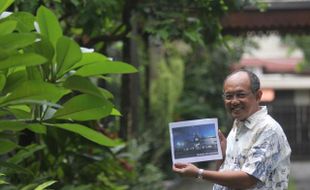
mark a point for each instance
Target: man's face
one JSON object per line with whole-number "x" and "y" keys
{"x": 239, "y": 100}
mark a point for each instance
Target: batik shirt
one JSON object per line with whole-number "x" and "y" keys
{"x": 258, "y": 147}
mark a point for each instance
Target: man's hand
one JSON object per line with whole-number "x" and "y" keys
{"x": 188, "y": 170}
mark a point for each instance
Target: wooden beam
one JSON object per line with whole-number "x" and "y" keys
{"x": 282, "y": 21}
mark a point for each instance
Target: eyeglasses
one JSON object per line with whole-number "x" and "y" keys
{"x": 238, "y": 95}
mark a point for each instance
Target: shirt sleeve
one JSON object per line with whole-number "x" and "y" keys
{"x": 264, "y": 155}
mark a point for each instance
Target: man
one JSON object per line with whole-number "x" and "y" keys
{"x": 256, "y": 152}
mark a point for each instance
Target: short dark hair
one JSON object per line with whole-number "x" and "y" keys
{"x": 254, "y": 80}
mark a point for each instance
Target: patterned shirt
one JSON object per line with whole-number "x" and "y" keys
{"x": 258, "y": 147}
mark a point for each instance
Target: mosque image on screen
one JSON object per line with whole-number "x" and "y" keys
{"x": 192, "y": 141}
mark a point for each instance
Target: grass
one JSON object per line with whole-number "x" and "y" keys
{"x": 291, "y": 184}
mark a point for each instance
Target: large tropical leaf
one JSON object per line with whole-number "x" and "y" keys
{"x": 4, "y": 4}
{"x": 45, "y": 184}
{"x": 2, "y": 81}
{"x": 30, "y": 186}
{"x": 1, "y": 180}
{"x": 20, "y": 114}
{"x": 28, "y": 59}
{"x": 14, "y": 80}
{"x": 36, "y": 128}
{"x": 90, "y": 58}
{"x": 16, "y": 41}
{"x": 84, "y": 107}
{"x": 82, "y": 84}
{"x": 107, "y": 67}
{"x": 34, "y": 90}
{"x": 6, "y": 146}
{"x": 49, "y": 25}
{"x": 45, "y": 48}
{"x": 34, "y": 73}
{"x": 25, "y": 153}
{"x": 4, "y": 53}
{"x": 25, "y": 21}
{"x": 20, "y": 111}
{"x": 115, "y": 112}
{"x": 68, "y": 53}
{"x": 89, "y": 134}
{"x": 7, "y": 27}
{"x": 15, "y": 168}
{"x": 6, "y": 125}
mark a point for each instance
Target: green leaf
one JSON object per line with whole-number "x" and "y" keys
{"x": 6, "y": 125}
{"x": 4, "y": 4}
{"x": 14, "y": 80}
{"x": 6, "y": 146}
{"x": 49, "y": 25}
{"x": 20, "y": 114}
{"x": 30, "y": 186}
{"x": 89, "y": 134}
{"x": 106, "y": 94}
{"x": 90, "y": 58}
{"x": 4, "y": 113}
{"x": 45, "y": 48}
{"x": 68, "y": 53}
{"x": 34, "y": 73}
{"x": 7, "y": 27}
{"x": 25, "y": 153}
{"x": 34, "y": 90}
{"x": 16, "y": 41}
{"x": 107, "y": 67}
{"x": 16, "y": 168}
{"x": 3, "y": 182}
{"x": 37, "y": 128}
{"x": 2, "y": 81}
{"x": 84, "y": 107}
{"x": 28, "y": 59}
{"x": 24, "y": 20}
{"x": 45, "y": 184}
{"x": 82, "y": 84}
{"x": 4, "y": 53}
{"x": 115, "y": 112}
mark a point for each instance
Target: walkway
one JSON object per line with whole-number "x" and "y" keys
{"x": 300, "y": 173}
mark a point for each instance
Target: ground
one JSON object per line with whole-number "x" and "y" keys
{"x": 300, "y": 176}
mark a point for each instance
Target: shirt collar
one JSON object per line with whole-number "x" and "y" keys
{"x": 250, "y": 121}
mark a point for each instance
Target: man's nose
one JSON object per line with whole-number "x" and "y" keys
{"x": 234, "y": 100}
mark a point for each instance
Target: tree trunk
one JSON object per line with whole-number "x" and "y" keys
{"x": 130, "y": 89}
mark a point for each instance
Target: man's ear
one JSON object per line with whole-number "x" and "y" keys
{"x": 259, "y": 95}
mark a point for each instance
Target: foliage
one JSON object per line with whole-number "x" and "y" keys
{"x": 301, "y": 42}
{"x": 208, "y": 67}
{"x": 103, "y": 24}
{"x": 48, "y": 102}
{"x": 166, "y": 88}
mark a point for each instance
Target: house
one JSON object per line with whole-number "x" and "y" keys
{"x": 286, "y": 91}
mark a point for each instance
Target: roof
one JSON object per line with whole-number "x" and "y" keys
{"x": 281, "y": 16}
{"x": 271, "y": 65}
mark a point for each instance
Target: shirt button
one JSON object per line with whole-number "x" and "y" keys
{"x": 237, "y": 139}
